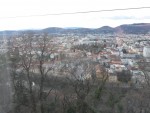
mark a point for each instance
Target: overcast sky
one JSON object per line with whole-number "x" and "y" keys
{"x": 12, "y": 8}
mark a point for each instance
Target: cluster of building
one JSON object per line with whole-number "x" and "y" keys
{"x": 127, "y": 53}
{"x": 120, "y": 53}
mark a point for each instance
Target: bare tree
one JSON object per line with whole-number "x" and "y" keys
{"x": 33, "y": 56}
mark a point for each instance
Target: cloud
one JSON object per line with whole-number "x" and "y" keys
{"x": 146, "y": 17}
{"x": 127, "y": 18}
{"x": 122, "y": 17}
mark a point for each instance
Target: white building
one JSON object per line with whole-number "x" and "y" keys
{"x": 146, "y": 51}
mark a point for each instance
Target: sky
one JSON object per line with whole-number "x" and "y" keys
{"x": 17, "y": 8}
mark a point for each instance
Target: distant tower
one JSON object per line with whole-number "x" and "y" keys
{"x": 146, "y": 51}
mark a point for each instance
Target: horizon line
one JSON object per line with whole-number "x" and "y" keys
{"x": 25, "y": 29}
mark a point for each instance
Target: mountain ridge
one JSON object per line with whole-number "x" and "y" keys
{"x": 135, "y": 28}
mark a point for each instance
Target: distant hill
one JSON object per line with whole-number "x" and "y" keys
{"x": 105, "y": 30}
{"x": 56, "y": 30}
{"x": 138, "y": 28}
